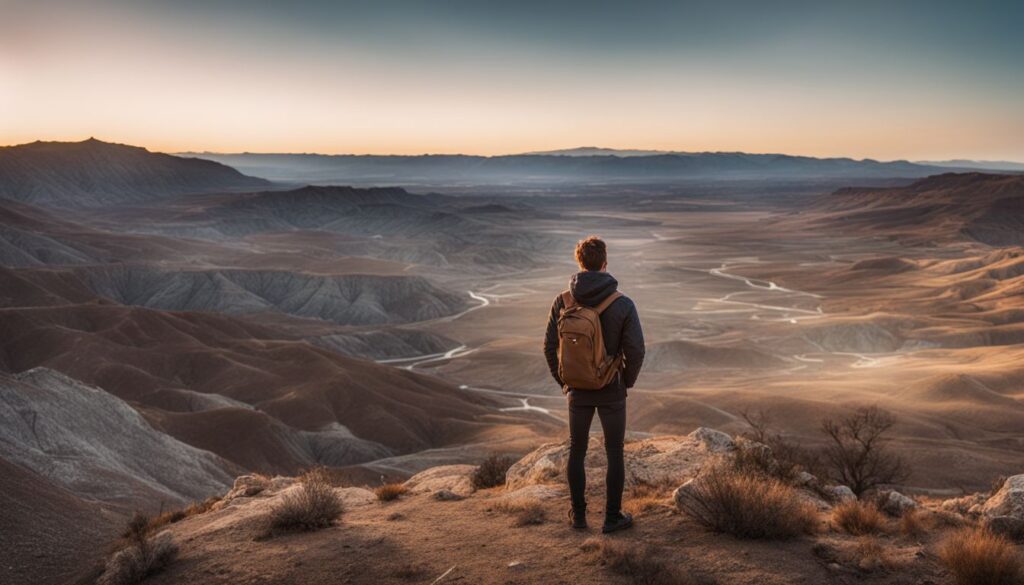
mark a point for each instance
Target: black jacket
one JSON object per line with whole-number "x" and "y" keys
{"x": 620, "y": 326}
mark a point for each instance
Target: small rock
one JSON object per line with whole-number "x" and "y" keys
{"x": 835, "y": 567}
{"x": 444, "y": 495}
{"x": 869, "y": 564}
{"x": 516, "y": 565}
{"x": 712, "y": 440}
{"x": 840, "y": 493}
{"x": 896, "y": 504}
{"x": 965, "y": 504}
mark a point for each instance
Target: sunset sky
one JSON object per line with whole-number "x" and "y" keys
{"x": 887, "y": 80}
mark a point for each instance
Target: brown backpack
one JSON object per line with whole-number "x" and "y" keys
{"x": 582, "y": 361}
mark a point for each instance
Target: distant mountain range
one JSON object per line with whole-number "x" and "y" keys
{"x": 987, "y": 165}
{"x": 94, "y": 173}
{"x": 599, "y": 151}
{"x": 583, "y": 165}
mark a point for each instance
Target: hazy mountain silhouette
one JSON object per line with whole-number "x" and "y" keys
{"x": 577, "y": 165}
{"x": 986, "y": 165}
{"x": 95, "y": 173}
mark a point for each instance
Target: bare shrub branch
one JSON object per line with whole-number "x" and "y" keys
{"x": 858, "y": 455}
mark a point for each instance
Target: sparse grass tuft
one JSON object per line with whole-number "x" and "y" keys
{"x": 976, "y": 556}
{"x": 140, "y": 556}
{"x": 174, "y": 516}
{"x": 491, "y": 472}
{"x": 642, "y": 565}
{"x": 858, "y": 518}
{"x": 411, "y": 571}
{"x": 644, "y": 497}
{"x": 313, "y": 506}
{"x": 525, "y": 511}
{"x": 748, "y": 505}
{"x": 390, "y": 491}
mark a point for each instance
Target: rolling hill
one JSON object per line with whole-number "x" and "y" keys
{"x": 95, "y": 173}
{"x": 987, "y": 208}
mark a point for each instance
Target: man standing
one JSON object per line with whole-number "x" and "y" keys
{"x": 594, "y": 347}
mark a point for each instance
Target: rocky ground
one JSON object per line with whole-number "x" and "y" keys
{"x": 441, "y": 530}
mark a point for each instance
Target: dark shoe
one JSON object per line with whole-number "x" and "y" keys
{"x": 578, "y": 519}
{"x": 618, "y": 522}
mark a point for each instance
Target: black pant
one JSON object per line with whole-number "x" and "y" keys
{"x": 613, "y": 422}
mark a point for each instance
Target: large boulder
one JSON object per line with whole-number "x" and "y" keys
{"x": 454, "y": 478}
{"x": 666, "y": 459}
{"x": 896, "y": 504}
{"x": 1008, "y": 501}
{"x": 1004, "y": 512}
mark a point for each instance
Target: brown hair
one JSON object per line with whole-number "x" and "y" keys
{"x": 591, "y": 253}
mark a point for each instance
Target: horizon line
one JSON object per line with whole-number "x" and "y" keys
{"x": 559, "y": 151}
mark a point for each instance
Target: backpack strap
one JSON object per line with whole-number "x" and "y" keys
{"x": 567, "y": 300}
{"x": 607, "y": 302}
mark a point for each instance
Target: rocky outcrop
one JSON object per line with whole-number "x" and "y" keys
{"x": 1004, "y": 511}
{"x": 95, "y": 173}
{"x": 248, "y": 488}
{"x": 651, "y": 461}
{"x": 97, "y": 446}
{"x": 456, "y": 479}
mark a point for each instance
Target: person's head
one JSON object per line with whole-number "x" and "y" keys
{"x": 591, "y": 254}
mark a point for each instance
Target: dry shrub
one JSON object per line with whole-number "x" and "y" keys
{"x": 870, "y": 555}
{"x": 913, "y": 524}
{"x": 140, "y": 555}
{"x": 787, "y": 457}
{"x": 757, "y": 458}
{"x": 642, "y": 565}
{"x": 946, "y": 519}
{"x": 748, "y": 505}
{"x": 174, "y": 516}
{"x": 858, "y": 518}
{"x": 976, "y": 556}
{"x": 858, "y": 453}
{"x": 390, "y": 491}
{"x": 314, "y": 505}
{"x": 525, "y": 511}
{"x": 492, "y": 471}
